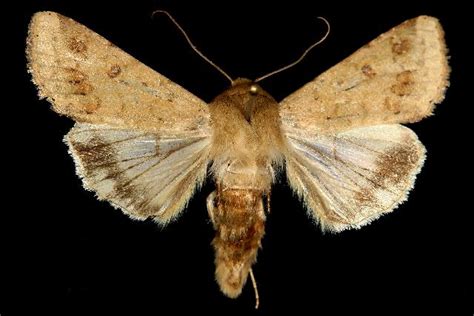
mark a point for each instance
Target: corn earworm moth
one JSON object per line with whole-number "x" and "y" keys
{"x": 145, "y": 144}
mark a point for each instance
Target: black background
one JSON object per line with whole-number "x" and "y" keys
{"x": 66, "y": 253}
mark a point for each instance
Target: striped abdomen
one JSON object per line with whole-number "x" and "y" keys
{"x": 239, "y": 219}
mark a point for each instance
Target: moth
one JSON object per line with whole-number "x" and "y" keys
{"x": 145, "y": 144}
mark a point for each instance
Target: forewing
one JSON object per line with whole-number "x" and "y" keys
{"x": 351, "y": 178}
{"x": 396, "y": 78}
{"x": 143, "y": 174}
{"x": 90, "y": 80}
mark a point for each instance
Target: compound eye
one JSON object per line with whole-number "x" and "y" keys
{"x": 253, "y": 89}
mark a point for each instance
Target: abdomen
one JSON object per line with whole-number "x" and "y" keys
{"x": 239, "y": 219}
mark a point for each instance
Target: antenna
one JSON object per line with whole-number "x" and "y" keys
{"x": 192, "y": 45}
{"x": 302, "y": 56}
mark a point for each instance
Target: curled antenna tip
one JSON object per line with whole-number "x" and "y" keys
{"x": 327, "y": 24}
{"x": 328, "y": 30}
{"x": 159, "y": 11}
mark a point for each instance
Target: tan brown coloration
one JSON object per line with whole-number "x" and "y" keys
{"x": 90, "y": 108}
{"x": 368, "y": 71}
{"x": 78, "y": 82}
{"x": 397, "y": 163}
{"x": 143, "y": 174}
{"x": 392, "y": 105}
{"x": 400, "y": 46}
{"x": 405, "y": 83}
{"x": 144, "y": 143}
{"x": 72, "y": 81}
{"x": 239, "y": 221}
{"x": 350, "y": 178}
{"x": 114, "y": 71}
{"x": 76, "y": 45}
{"x": 416, "y": 45}
{"x": 247, "y": 145}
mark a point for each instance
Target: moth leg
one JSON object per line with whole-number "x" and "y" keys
{"x": 210, "y": 202}
{"x": 254, "y": 284}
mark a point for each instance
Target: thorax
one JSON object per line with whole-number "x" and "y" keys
{"x": 247, "y": 140}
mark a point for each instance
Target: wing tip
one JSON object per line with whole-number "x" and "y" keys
{"x": 40, "y": 18}
{"x": 42, "y": 30}
{"x": 440, "y": 53}
{"x": 30, "y": 44}
{"x": 34, "y": 38}
{"x": 430, "y": 29}
{"x": 43, "y": 14}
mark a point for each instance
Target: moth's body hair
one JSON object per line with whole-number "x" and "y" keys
{"x": 144, "y": 143}
{"x": 247, "y": 144}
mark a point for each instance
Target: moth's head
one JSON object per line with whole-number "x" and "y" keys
{"x": 246, "y": 87}
{"x": 247, "y": 96}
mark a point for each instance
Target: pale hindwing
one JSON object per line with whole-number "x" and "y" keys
{"x": 349, "y": 179}
{"x": 396, "y": 78}
{"x": 89, "y": 79}
{"x": 141, "y": 173}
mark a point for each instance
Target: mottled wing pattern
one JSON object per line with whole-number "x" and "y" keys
{"x": 350, "y": 178}
{"x": 143, "y": 174}
{"x": 396, "y": 78}
{"x": 91, "y": 80}
{"x": 142, "y": 141}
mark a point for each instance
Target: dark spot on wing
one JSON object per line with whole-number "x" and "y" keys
{"x": 114, "y": 71}
{"x": 393, "y": 105}
{"x": 94, "y": 153}
{"x": 108, "y": 172}
{"x": 100, "y": 163}
{"x": 78, "y": 81}
{"x": 90, "y": 108}
{"x": 76, "y": 45}
{"x": 391, "y": 173}
{"x": 368, "y": 71}
{"x": 396, "y": 165}
{"x": 405, "y": 83}
{"x": 75, "y": 76}
{"x": 400, "y": 46}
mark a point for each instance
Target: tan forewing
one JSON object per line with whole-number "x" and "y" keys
{"x": 350, "y": 178}
{"x": 143, "y": 174}
{"x": 396, "y": 78}
{"x": 89, "y": 79}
